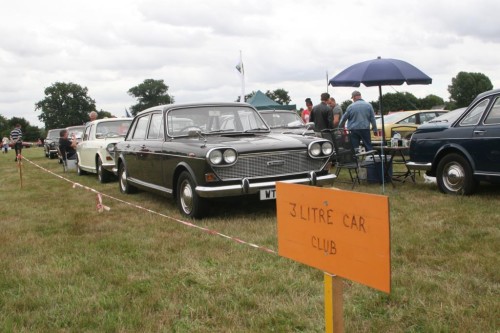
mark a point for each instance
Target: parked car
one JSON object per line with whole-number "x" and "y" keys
{"x": 286, "y": 122}
{"x": 203, "y": 160}
{"x": 463, "y": 151}
{"x": 77, "y": 131}
{"x": 95, "y": 153}
{"x": 403, "y": 122}
{"x": 51, "y": 142}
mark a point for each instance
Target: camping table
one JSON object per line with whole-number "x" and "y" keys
{"x": 389, "y": 154}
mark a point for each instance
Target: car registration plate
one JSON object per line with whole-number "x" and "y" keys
{"x": 268, "y": 194}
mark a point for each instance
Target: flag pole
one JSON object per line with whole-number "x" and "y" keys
{"x": 327, "y": 81}
{"x": 242, "y": 75}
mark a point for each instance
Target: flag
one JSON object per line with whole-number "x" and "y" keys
{"x": 126, "y": 113}
{"x": 239, "y": 68}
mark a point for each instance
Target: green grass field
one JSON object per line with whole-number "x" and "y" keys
{"x": 64, "y": 267}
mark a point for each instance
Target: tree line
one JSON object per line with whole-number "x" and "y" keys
{"x": 68, "y": 104}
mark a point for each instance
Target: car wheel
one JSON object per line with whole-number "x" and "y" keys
{"x": 188, "y": 201}
{"x": 125, "y": 187}
{"x": 46, "y": 153}
{"x": 102, "y": 174}
{"x": 454, "y": 175}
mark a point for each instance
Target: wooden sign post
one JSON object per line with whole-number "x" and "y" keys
{"x": 340, "y": 232}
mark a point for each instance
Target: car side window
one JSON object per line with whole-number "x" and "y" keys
{"x": 494, "y": 115}
{"x": 472, "y": 118}
{"x": 427, "y": 116}
{"x": 140, "y": 128}
{"x": 156, "y": 127}
{"x": 410, "y": 120}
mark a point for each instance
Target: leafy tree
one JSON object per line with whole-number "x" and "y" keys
{"x": 430, "y": 101}
{"x": 280, "y": 96}
{"x": 345, "y": 104}
{"x": 149, "y": 93}
{"x": 104, "y": 114}
{"x": 466, "y": 86}
{"x": 4, "y": 127}
{"x": 398, "y": 101}
{"x": 65, "y": 104}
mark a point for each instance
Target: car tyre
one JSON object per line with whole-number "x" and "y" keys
{"x": 103, "y": 175}
{"x": 188, "y": 201}
{"x": 125, "y": 187}
{"x": 454, "y": 175}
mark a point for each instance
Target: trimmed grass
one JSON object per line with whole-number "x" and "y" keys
{"x": 66, "y": 267}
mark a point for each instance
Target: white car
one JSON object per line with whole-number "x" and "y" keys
{"x": 95, "y": 151}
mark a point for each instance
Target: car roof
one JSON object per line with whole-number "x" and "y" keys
{"x": 191, "y": 105}
{"x": 397, "y": 116}
{"x": 105, "y": 120}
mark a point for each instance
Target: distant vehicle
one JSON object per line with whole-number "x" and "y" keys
{"x": 218, "y": 150}
{"x": 286, "y": 122}
{"x": 463, "y": 149}
{"x": 95, "y": 153}
{"x": 51, "y": 142}
{"x": 77, "y": 131}
{"x": 404, "y": 122}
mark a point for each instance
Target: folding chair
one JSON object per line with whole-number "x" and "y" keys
{"x": 63, "y": 158}
{"x": 346, "y": 157}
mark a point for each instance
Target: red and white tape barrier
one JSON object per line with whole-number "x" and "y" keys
{"x": 101, "y": 207}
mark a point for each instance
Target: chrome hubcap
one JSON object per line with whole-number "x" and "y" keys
{"x": 123, "y": 180}
{"x": 186, "y": 197}
{"x": 454, "y": 177}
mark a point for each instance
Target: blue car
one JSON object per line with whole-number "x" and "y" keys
{"x": 463, "y": 148}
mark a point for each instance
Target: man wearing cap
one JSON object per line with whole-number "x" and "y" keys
{"x": 322, "y": 115}
{"x": 359, "y": 115}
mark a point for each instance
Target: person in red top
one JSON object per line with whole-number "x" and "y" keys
{"x": 307, "y": 112}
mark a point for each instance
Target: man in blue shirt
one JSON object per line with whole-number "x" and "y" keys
{"x": 359, "y": 115}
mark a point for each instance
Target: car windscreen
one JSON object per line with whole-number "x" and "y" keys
{"x": 53, "y": 135}
{"x": 282, "y": 119}
{"x": 214, "y": 119}
{"x": 448, "y": 116}
{"x": 110, "y": 129}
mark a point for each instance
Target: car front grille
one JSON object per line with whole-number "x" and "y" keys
{"x": 270, "y": 164}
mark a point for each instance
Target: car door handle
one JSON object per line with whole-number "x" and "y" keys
{"x": 479, "y": 132}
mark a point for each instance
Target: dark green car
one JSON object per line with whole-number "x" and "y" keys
{"x": 198, "y": 152}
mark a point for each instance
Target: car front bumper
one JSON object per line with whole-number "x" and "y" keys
{"x": 246, "y": 188}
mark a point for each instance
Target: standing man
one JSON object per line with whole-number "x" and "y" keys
{"x": 322, "y": 116}
{"x": 337, "y": 111}
{"x": 360, "y": 115}
{"x": 306, "y": 114}
{"x": 16, "y": 136}
{"x": 93, "y": 115}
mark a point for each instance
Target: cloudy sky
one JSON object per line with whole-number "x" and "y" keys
{"x": 110, "y": 46}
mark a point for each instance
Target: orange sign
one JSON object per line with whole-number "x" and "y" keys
{"x": 340, "y": 232}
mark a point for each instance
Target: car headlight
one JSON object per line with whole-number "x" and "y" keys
{"x": 320, "y": 149}
{"x": 315, "y": 149}
{"x": 327, "y": 148}
{"x": 222, "y": 156}
{"x": 229, "y": 156}
{"x": 215, "y": 157}
{"x": 110, "y": 148}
